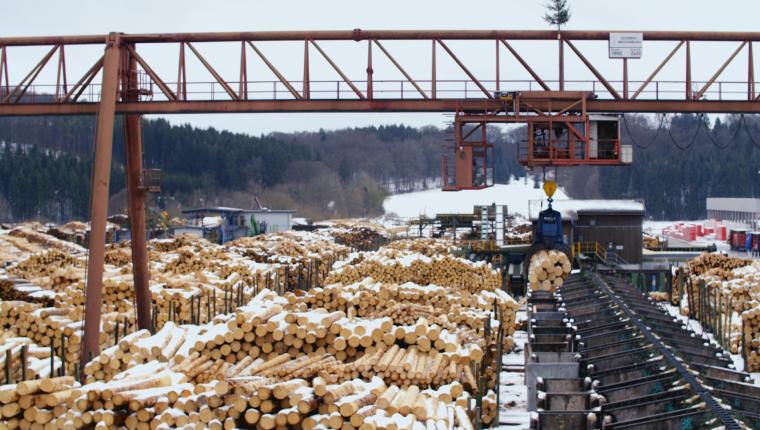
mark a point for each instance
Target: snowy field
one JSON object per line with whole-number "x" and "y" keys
{"x": 515, "y": 195}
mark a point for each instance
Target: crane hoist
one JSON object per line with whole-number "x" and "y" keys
{"x": 559, "y": 133}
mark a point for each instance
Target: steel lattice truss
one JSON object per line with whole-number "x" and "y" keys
{"x": 205, "y": 89}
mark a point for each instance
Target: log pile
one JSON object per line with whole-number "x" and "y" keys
{"x": 14, "y": 249}
{"x": 232, "y": 350}
{"x": 751, "y": 335}
{"x": 731, "y": 287}
{"x": 424, "y": 246}
{"x": 13, "y": 290}
{"x": 710, "y": 261}
{"x": 408, "y": 302}
{"x": 261, "y": 343}
{"x": 359, "y": 237}
{"x": 27, "y": 359}
{"x": 37, "y": 403}
{"x": 398, "y": 267}
{"x": 304, "y": 259}
{"x": 45, "y": 240}
{"x": 548, "y": 269}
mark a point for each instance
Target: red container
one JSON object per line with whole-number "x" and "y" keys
{"x": 720, "y": 232}
{"x": 738, "y": 240}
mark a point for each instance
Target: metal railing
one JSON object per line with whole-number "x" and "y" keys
{"x": 591, "y": 249}
{"x": 403, "y": 90}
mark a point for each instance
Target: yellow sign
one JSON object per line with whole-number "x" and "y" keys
{"x": 550, "y": 187}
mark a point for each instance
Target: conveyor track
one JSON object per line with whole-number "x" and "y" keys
{"x": 603, "y": 355}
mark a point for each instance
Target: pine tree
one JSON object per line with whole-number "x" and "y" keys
{"x": 558, "y": 13}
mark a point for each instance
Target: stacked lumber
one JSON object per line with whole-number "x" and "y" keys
{"x": 397, "y": 267}
{"x": 38, "y": 403}
{"x": 548, "y": 269}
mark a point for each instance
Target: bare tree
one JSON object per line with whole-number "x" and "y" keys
{"x": 557, "y": 13}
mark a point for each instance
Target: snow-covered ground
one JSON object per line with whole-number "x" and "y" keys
{"x": 513, "y": 393}
{"x": 697, "y": 328}
{"x": 515, "y": 195}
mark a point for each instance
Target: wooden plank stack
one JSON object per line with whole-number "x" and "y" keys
{"x": 548, "y": 269}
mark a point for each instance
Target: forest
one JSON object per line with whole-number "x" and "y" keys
{"x": 45, "y": 165}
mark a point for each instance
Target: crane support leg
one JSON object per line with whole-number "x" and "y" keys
{"x": 136, "y": 200}
{"x": 99, "y": 198}
{"x": 136, "y": 197}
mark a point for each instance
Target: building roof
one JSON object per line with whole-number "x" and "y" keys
{"x": 571, "y": 208}
{"x": 733, "y": 204}
{"x": 229, "y": 210}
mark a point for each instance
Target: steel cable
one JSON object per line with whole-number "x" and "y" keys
{"x": 635, "y": 142}
{"x": 693, "y": 137}
{"x": 749, "y": 135}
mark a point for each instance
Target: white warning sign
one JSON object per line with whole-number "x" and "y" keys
{"x": 626, "y": 45}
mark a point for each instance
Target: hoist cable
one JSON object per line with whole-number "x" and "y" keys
{"x": 635, "y": 142}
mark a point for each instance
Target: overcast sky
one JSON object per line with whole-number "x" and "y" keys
{"x": 56, "y": 17}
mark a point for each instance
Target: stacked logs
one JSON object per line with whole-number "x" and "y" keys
{"x": 12, "y": 290}
{"x": 751, "y": 336}
{"x": 43, "y": 264}
{"x": 359, "y": 237}
{"x": 36, "y": 403}
{"x": 63, "y": 330}
{"x": 22, "y": 359}
{"x": 403, "y": 266}
{"x": 406, "y": 303}
{"x": 731, "y": 287}
{"x": 424, "y": 246}
{"x": 45, "y": 240}
{"x": 710, "y": 261}
{"x": 548, "y": 269}
{"x": 304, "y": 259}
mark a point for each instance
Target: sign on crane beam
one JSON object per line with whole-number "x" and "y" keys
{"x": 626, "y": 45}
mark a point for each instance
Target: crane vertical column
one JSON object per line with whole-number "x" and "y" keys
{"x": 101, "y": 174}
{"x": 136, "y": 201}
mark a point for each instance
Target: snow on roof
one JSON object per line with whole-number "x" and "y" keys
{"x": 225, "y": 209}
{"x": 571, "y": 208}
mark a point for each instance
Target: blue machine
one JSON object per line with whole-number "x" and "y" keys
{"x": 548, "y": 234}
{"x": 549, "y": 229}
